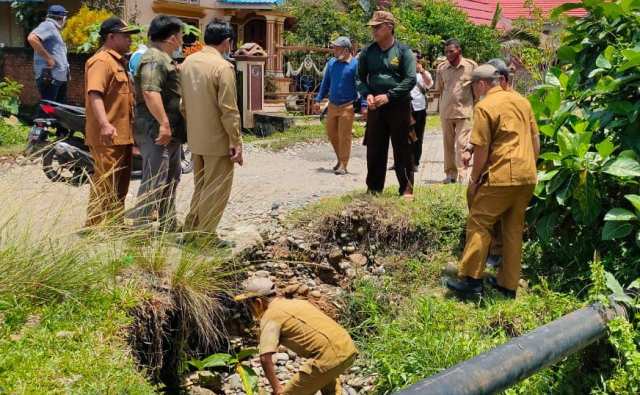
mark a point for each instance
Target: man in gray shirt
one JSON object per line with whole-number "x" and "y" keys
{"x": 50, "y": 55}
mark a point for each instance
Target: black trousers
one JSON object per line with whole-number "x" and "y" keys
{"x": 421, "y": 120}
{"x": 52, "y": 90}
{"x": 391, "y": 121}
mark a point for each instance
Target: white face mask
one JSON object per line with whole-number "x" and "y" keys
{"x": 59, "y": 23}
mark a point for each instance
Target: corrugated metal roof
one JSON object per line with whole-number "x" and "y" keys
{"x": 275, "y": 2}
{"x": 514, "y": 9}
{"x": 479, "y": 11}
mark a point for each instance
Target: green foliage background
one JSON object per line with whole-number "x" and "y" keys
{"x": 422, "y": 24}
{"x": 588, "y": 112}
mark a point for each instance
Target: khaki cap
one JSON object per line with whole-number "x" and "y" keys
{"x": 255, "y": 287}
{"x": 380, "y": 17}
{"x": 482, "y": 72}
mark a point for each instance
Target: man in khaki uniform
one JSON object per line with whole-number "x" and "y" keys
{"x": 303, "y": 328}
{"x": 109, "y": 98}
{"x": 506, "y": 147}
{"x": 456, "y": 106}
{"x": 495, "y": 252}
{"x": 213, "y": 126}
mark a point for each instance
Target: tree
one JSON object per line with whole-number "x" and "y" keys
{"x": 428, "y": 23}
{"x": 422, "y": 24}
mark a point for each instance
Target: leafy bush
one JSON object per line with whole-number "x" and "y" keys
{"x": 317, "y": 23}
{"x": 81, "y": 31}
{"x": 10, "y": 96}
{"x": 12, "y": 134}
{"x": 428, "y": 23}
{"x": 422, "y": 24}
{"x": 589, "y": 115}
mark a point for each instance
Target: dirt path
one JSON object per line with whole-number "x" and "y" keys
{"x": 269, "y": 183}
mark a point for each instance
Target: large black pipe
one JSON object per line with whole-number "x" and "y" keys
{"x": 521, "y": 357}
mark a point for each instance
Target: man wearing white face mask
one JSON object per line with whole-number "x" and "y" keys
{"x": 159, "y": 125}
{"x": 50, "y": 62}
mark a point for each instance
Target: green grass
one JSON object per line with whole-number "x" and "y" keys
{"x": 408, "y": 327}
{"x": 433, "y": 124}
{"x": 13, "y": 138}
{"x": 296, "y": 135}
{"x": 316, "y": 132}
{"x": 76, "y": 347}
{"x": 66, "y": 303}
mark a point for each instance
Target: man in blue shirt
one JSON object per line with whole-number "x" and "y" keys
{"x": 339, "y": 83}
{"x": 50, "y": 62}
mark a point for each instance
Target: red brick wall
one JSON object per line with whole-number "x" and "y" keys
{"x": 17, "y": 64}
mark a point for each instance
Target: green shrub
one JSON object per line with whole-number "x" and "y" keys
{"x": 11, "y": 134}
{"x": 428, "y": 23}
{"x": 10, "y": 96}
{"x": 589, "y": 115}
{"x": 422, "y": 24}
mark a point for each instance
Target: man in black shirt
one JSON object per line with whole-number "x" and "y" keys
{"x": 387, "y": 73}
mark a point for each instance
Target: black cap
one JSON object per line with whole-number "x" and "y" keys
{"x": 117, "y": 25}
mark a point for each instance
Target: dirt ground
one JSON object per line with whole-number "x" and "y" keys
{"x": 268, "y": 182}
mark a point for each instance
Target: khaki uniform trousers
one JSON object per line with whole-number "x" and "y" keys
{"x": 491, "y": 204}
{"x": 310, "y": 380}
{"x": 339, "y": 128}
{"x": 213, "y": 178}
{"x": 109, "y": 183}
{"x": 455, "y": 136}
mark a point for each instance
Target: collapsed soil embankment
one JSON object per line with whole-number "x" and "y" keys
{"x": 316, "y": 258}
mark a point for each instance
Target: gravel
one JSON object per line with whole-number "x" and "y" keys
{"x": 269, "y": 185}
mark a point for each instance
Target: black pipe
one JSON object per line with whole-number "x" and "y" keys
{"x": 500, "y": 368}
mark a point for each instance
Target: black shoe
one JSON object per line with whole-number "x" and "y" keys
{"x": 506, "y": 292}
{"x": 494, "y": 260}
{"x": 415, "y": 168}
{"x": 466, "y": 286}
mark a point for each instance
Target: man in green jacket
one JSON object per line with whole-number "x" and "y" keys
{"x": 387, "y": 73}
{"x": 159, "y": 126}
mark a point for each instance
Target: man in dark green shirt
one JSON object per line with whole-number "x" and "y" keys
{"x": 387, "y": 73}
{"x": 159, "y": 125}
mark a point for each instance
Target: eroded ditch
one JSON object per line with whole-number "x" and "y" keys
{"x": 316, "y": 259}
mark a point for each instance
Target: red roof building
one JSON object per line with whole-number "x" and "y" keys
{"x": 481, "y": 11}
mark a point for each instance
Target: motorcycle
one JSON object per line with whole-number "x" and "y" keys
{"x": 59, "y": 137}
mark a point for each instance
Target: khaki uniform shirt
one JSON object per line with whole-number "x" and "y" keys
{"x": 209, "y": 99}
{"x": 158, "y": 73}
{"x": 504, "y": 121}
{"x": 106, "y": 74}
{"x": 303, "y": 328}
{"x": 456, "y": 101}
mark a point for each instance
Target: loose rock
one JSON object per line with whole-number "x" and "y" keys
{"x": 335, "y": 256}
{"x": 358, "y": 259}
